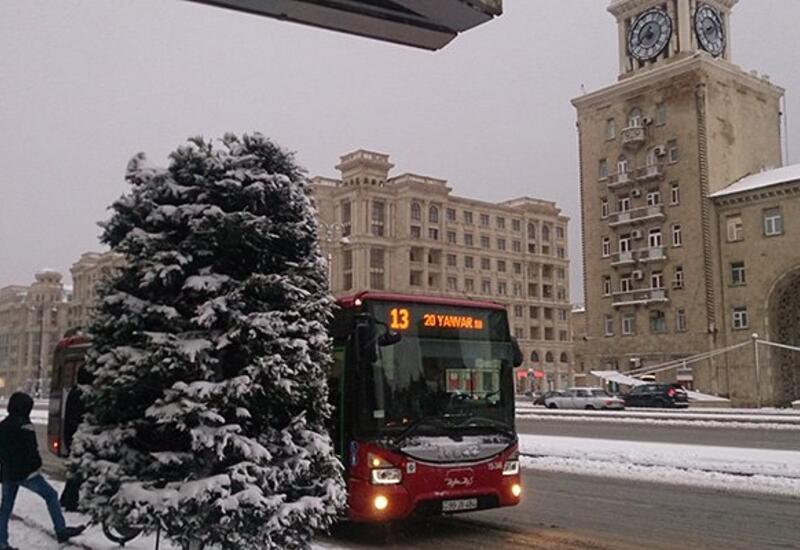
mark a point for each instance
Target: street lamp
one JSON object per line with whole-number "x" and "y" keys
{"x": 332, "y": 233}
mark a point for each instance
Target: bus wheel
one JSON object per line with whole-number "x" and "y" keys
{"x": 120, "y": 533}
{"x": 552, "y": 406}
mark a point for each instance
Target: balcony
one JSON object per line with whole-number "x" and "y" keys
{"x": 633, "y": 137}
{"x": 651, "y": 172}
{"x": 620, "y": 180}
{"x": 639, "y": 297}
{"x": 637, "y": 215}
{"x": 643, "y": 255}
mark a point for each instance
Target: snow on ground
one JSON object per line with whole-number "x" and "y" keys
{"x": 730, "y": 468}
{"x": 668, "y": 422}
{"x": 31, "y": 529}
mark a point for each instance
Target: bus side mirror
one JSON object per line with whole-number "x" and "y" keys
{"x": 365, "y": 341}
{"x": 518, "y": 358}
{"x": 389, "y": 338}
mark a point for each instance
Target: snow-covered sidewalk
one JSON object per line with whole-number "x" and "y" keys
{"x": 31, "y": 529}
{"x": 731, "y": 468}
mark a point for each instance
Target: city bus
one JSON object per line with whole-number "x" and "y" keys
{"x": 68, "y": 357}
{"x": 422, "y": 390}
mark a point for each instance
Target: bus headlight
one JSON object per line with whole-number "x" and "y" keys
{"x": 380, "y": 502}
{"x": 386, "y": 476}
{"x": 511, "y": 467}
{"x": 516, "y": 490}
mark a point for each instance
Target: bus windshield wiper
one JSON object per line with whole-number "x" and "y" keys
{"x": 416, "y": 425}
{"x": 482, "y": 421}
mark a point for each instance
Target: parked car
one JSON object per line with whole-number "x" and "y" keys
{"x": 584, "y": 398}
{"x": 540, "y": 399}
{"x": 657, "y": 395}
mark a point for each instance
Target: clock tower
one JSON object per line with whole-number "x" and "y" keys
{"x": 654, "y": 31}
{"x": 681, "y": 122}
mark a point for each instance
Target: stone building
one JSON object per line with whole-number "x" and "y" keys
{"x": 409, "y": 234}
{"x": 681, "y": 124}
{"x": 91, "y": 269}
{"x": 32, "y": 320}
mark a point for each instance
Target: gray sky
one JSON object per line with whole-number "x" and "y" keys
{"x": 85, "y": 84}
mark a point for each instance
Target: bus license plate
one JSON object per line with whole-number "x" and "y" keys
{"x": 459, "y": 505}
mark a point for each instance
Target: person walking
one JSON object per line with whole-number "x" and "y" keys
{"x": 19, "y": 467}
{"x": 74, "y": 410}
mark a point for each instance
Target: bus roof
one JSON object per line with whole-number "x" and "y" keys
{"x": 350, "y": 301}
{"x": 73, "y": 341}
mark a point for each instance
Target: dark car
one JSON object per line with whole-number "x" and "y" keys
{"x": 657, "y": 395}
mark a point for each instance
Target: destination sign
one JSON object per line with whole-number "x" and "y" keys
{"x": 442, "y": 321}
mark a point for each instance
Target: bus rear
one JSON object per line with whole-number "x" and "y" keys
{"x": 67, "y": 359}
{"x": 424, "y": 396}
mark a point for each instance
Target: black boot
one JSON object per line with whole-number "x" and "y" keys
{"x": 70, "y": 532}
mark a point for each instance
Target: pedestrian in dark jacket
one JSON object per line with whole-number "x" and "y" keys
{"x": 19, "y": 467}
{"x": 74, "y": 410}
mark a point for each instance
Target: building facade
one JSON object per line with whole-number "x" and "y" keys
{"x": 409, "y": 234}
{"x": 32, "y": 320}
{"x": 681, "y": 123}
{"x": 91, "y": 269}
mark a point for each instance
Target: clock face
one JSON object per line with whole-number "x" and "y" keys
{"x": 710, "y": 30}
{"x": 650, "y": 34}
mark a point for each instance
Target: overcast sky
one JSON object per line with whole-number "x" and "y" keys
{"x": 85, "y": 84}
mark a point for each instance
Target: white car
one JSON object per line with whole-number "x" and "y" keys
{"x": 584, "y": 398}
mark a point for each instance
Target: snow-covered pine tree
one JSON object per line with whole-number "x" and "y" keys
{"x": 210, "y": 352}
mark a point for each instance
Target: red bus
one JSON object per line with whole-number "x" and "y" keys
{"x": 67, "y": 359}
{"x": 424, "y": 395}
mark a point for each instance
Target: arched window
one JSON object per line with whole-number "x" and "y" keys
{"x": 564, "y": 358}
{"x": 534, "y": 356}
{"x": 433, "y": 214}
{"x": 548, "y": 357}
{"x": 622, "y": 165}
{"x": 652, "y": 157}
{"x": 531, "y": 230}
{"x": 635, "y": 118}
{"x": 546, "y": 233}
{"x": 416, "y": 211}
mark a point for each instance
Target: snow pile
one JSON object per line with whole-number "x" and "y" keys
{"x": 796, "y": 404}
{"x": 758, "y": 470}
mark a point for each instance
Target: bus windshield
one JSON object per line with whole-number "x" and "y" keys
{"x": 451, "y": 372}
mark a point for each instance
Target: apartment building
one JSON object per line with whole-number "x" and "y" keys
{"x": 681, "y": 124}
{"x": 408, "y": 233}
{"x": 91, "y": 269}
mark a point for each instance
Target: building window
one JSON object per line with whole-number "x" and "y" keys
{"x": 347, "y": 214}
{"x": 451, "y": 260}
{"x": 416, "y": 232}
{"x": 451, "y": 214}
{"x": 635, "y": 118}
{"x": 677, "y": 282}
{"x": 452, "y": 283}
{"x": 501, "y": 244}
{"x": 680, "y": 320}
{"x": 469, "y": 262}
{"x": 549, "y": 334}
{"x": 501, "y": 222}
{"x": 561, "y": 252}
{"x": 626, "y": 284}
{"x": 608, "y": 323}
{"x": 740, "y": 320}
{"x": 604, "y": 208}
{"x": 658, "y": 322}
{"x": 433, "y": 214}
{"x": 738, "y": 274}
{"x": 602, "y": 169}
{"x": 486, "y": 263}
{"x": 606, "y": 247}
{"x": 534, "y": 355}
{"x": 415, "y": 278}
{"x": 378, "y": 218}
{"x": 606, "y": 285}
{"x": 516, "y": 225}
{"x": 486, "y": 286}
{"x": 562, "y": 315}
{"x": 546, "y": 233}
{"x": 517, "y": 268}
{"x": 654, "y": 237}
{"x": 533, "y": 312}
{"x": 559, "y": 233}
{"x": 561, "y": 273}
{"x": 653, "y": 198}
{"x": 485, "y": 243}
{"x": 519, "y": 311}
{"x": 451, "y": 237}
{"x": 433, "y": 233}
{"x": 519, "y": 333}
{"x": 672, "y": 150}
{"x": 516, "y": 246}
{"x": 628, "y": 324}
{"x": 622, "y": 168}
{"x": 624, "y": 243}
{"x": 416, "y": 211}
{"x": 548, "y": 357}
{"x": 502, "y": 288}
{"x": 468, "y": 239}
{"x": 562, "y": 337}
{"x": 347, "y": 269}
{"x": 656, "y": 280}
{"x": 677, "y": 237}
{"x": 735, "y": 229}
{"x": 624, "y": 204}
{"x": 501, "y": 266}
{"x": 484, "y": 220}
{"x": 467, "y": 217}
{"x": 469, "y": 285}
{"x": 661, "y": 113}
{"x": 548, "y": 313}
{"x": 531, "y": 231}
{"x": 674, "y": 194}
{"x": 773, "y": 222}
{"x": 611, "y": 128}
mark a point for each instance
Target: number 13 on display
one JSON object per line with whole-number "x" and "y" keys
{"x": 399, "y": 319}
